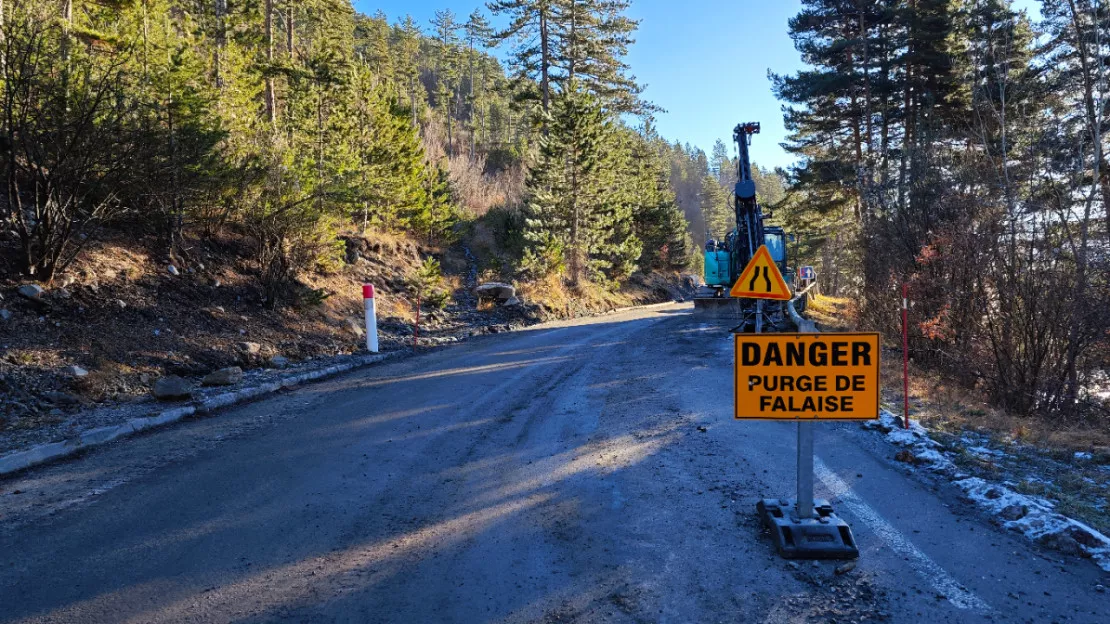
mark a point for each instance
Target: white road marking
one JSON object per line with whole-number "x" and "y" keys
{"x": 925, "y": 567}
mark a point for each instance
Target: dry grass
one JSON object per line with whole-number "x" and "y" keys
{"x": 943, "y": 405}
{"x": 477, "y": 192}
{"x": 559, "y": 299}
{"x": 833, "y": 313}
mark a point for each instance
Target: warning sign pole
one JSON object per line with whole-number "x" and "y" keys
{"x": 806, "y": 529}
{"x": 805, "y": 467}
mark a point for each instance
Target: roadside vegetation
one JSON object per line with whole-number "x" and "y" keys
{"x": 190, "y": 185}
{"x": 958, "y": 147}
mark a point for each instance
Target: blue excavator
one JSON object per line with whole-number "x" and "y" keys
{"x": 726, "y": 258}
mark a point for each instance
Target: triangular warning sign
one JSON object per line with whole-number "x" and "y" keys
{"x": 761, "y": 279}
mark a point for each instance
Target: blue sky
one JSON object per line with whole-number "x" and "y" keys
{"x": 704, "y": 61}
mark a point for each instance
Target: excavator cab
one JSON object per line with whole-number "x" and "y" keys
{"x": 775, "y": 240}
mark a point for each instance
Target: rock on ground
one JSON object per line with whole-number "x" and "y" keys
{"x": 33, "y": 292}
{"x": 172, "y": 387}
{"x": 224, "y": 377}
{"x": 76, "y": 371}
{"x": 495, "y": 290}
{"x": 250, "y": 348}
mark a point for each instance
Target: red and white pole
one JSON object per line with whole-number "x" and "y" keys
{"x": 905, "y": 356}
{"x": 371, "y": 318}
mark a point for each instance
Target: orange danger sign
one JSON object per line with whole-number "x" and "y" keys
{"x": 761, "y": 279}
{"x": 807, "y": 376}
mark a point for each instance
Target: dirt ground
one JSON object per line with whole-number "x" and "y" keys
{"x": 126, "y": 318}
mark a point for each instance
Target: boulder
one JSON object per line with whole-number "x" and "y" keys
{"x": 172, "y": 387}
{"x": 62, "y": 293}
{"x": 250, "y": 348}
{"x": 76, "y": 371}
{"x": 1062, "y": 543}
{"x": 33, "y": 292}
{"x": 1084, "y": 537}
{"x": 1013, "y": 512}
{"x": 61, "y": 398}
{"x": 173, "y": 270}
{"x": 905, "y": 456}
{"x": 5, "y": 315}
{"x": 495, "y": 290}
{"x": 512, "y": 301}
{"x": 279, "y": 361}
{"x": 224, "y": 377}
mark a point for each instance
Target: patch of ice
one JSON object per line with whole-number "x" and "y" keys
{"x": 1039, "y": 518}
{"x": 936, "y": 460}
{"x": 901, "y": 436}
{"x": 983, "y": 451}
{"x": 916, "y": 434}
{"x": 1083, "y": 456}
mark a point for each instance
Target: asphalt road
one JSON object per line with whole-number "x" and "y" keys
{"x": 551, "y": 475}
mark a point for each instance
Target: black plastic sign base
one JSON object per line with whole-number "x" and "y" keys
{"x": 825, "y": 536}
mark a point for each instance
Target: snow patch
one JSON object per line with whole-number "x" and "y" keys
{"x": 1036, "y": 518}
{"x": 1033, "y": 516}
{"x": 934, "y": 459}
{"x": 983, "y": 451}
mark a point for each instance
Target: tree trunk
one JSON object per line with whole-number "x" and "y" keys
{"x": 473, "y": 126}
{"x": 907, "y": 112}
{"x": 221, "y": 42}
{"x": 290, "y": 26}
{"x": 1094, "y": 125}
{"x": 857, "y": 139}
{"x": 545, "y": 62}
{"x": 271, "y": 98}
{"x": 572, "y": 43}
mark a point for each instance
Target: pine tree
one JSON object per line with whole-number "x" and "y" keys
{"x": 715, "y": 209}
{"x": 593, "y": 37}
{"x": 406, "y": 42}
{"x": 721, "y": 165}
{"x": 388, "y": 189}
{"x": 447, "y": 59}
{"x": 177, "y": 129}
{"x": 567, "y": 193}
{"x": 531, "y": 28}
{"x": 658, "y": 225}
{"x": 478, "y": 33}
{"x": 372, "y": 37}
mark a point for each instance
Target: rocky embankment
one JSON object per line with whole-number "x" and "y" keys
{"x": 117, "y": 340}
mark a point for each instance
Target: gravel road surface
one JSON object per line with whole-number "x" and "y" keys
{"x": 585, "y": 471}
